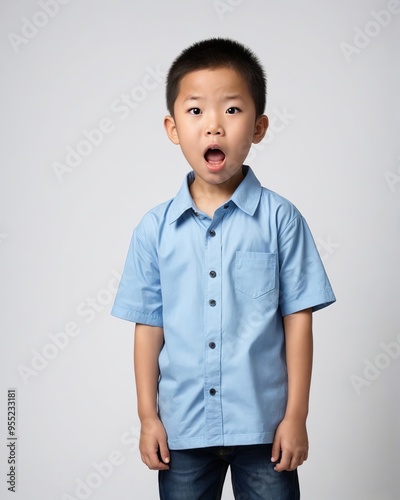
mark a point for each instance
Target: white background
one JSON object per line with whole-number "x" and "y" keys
{"x": 335, "y": 153}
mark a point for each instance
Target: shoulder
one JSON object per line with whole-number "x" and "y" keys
{"x": 279, "y": 209}
{"x": 146, "y": 232}
{"x": 156, "y": 216}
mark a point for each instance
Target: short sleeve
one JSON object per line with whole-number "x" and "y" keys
{"x": 138, "y": 296}
{"x": 303, "y": 280}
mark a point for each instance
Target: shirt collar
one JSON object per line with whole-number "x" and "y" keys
{"x": 246, "y": 196}
{"x": 183, "y": 201}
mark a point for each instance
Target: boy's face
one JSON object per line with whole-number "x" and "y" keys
{"x": 215, "y": 124}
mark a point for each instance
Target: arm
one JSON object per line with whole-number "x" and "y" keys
{"x": 291, "y": 435}
{"x": 153, "y": 439}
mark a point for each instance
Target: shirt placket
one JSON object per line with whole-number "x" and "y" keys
{"x": 213, "y": 332}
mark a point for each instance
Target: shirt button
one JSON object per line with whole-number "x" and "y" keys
{"x": 226, "y": 206}
{"x": 212, "y": 232}
{"x": 211, "y": 345}
{"x": 213, "y": 274}
{"x": 212, "y": 302}
{"x": 213, "y": 392}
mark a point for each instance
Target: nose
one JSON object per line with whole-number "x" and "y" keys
{"x": 213, "y": 126}
{"x": 213, "y": 131}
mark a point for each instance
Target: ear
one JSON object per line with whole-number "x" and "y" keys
{"x": 170, "y": 128}
{"x": 260, "y": 129}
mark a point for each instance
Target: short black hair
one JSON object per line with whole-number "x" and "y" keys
{"x": 218, "y": 53}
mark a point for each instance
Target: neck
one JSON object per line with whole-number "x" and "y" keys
{"x": 208, "y": 197}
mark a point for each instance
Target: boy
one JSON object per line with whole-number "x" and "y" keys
{"x": 221, "y": 282}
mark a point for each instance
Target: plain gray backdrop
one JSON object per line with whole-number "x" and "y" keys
{"x": 84, "y": 155}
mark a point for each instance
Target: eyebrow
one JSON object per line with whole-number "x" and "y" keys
{"x": 226, "y": 98}
{"x": 191, "y": 98}
{"x": 232, "y": 97}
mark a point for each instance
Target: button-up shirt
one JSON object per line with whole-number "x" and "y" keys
{"x": 219, "y": 288}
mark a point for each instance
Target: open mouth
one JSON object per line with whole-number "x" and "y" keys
{"x": 214, "y": 156}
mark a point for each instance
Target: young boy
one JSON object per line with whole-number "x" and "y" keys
{"x": 221, "y": 282}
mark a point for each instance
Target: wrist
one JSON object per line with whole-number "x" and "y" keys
{"x": 147, "y": 414}
{"x": 298, "y": 415}
{"x": 149, "y": 425}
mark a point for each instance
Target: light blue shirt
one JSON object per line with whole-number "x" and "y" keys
{"x": 219, "y": 289}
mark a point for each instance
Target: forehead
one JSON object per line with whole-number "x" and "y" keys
{"x": 213, "y": 82}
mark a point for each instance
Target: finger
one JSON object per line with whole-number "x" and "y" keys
{"x": 296, "y": 461}
{"x": 303, "y": 458}
{"x": 284, "y": 463}
{"x": 164, "y": 451}
{"x": 276, "y": 449}
{"x": 154, "y": 463}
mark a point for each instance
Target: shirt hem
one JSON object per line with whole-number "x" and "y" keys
{"x": 136, "y": 317}
{"x": 316, "y": 303}
{"x": 224, "y": 440}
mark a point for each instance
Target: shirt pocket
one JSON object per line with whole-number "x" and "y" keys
{"x": 255, "y": 273}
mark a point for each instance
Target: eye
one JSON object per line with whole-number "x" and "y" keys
{"x": 233, "y": 110}
{"x": 195, "y": 111}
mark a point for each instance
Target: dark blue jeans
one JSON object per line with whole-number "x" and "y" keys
{"x": 199, "y": 474}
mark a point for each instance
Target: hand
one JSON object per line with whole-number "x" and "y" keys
{"x": 153, "y": 444}
{"x": 291, "y": 444}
